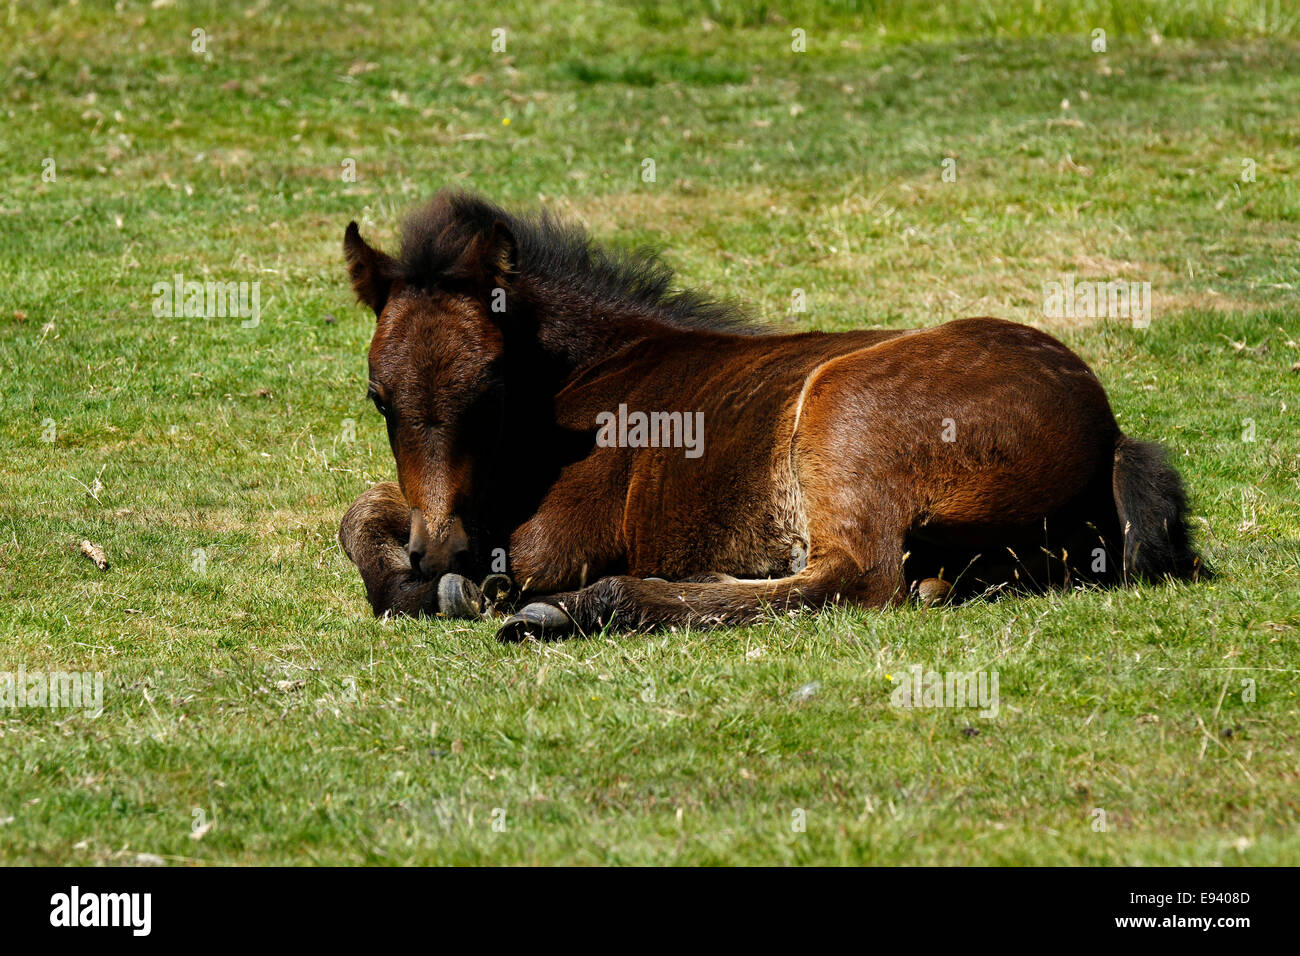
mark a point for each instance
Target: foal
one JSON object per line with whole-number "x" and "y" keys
{"x": 511, "y": 361}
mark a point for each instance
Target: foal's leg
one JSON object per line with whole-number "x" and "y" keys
{"x": 374, "y": 535}
{"x": 629, "y": 603}
{"x": 857, "y": 523}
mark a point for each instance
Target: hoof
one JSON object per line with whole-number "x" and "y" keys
{"x": 933, "y": 591}
{"x": 458, "y": 597}
{"x": 535, "y": 620}
{"x": 497, "y": 589}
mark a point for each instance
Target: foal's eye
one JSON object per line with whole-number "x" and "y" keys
{"x": 379, "y": 402}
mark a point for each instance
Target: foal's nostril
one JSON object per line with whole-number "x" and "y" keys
{"x": 418, "y": 545}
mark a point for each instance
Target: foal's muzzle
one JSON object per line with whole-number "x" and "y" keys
{"x": 435, "y": 554}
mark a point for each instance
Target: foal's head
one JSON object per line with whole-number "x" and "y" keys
{"x": 436, "y": 372}
{"x": 479, "y": 300}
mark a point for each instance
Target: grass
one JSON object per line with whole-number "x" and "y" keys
{"x": 244, "y": 676}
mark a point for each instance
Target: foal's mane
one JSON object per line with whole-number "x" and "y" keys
{"x": 558, "y": 260}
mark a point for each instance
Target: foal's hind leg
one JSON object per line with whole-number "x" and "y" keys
{"x": 629, "y": 603}
{"x": 857, "y": 558}
{"x": 373, "y": 534}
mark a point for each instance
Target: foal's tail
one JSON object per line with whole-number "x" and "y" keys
{"x": 1152, "y": 508}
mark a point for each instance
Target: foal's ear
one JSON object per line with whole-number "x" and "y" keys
{"x": 372, "y": 271}
{"x": 501, "y": 257}
{"x": 490, "y": 258}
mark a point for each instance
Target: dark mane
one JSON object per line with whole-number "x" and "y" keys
{"x": 559, "y": 258}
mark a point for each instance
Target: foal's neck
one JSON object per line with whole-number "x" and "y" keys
{"x": 579, "y": 333}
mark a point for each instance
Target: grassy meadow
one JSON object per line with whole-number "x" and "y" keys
{"x": 909, "y": 165}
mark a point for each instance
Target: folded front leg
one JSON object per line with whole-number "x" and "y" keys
{"x": 374, "y": 535}
{"x": 628, "y": 603}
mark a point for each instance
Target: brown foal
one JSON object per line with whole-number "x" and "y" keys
{"x": 607, "y": 452}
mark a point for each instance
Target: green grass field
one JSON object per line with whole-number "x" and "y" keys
{"x": 255, "y": 712}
